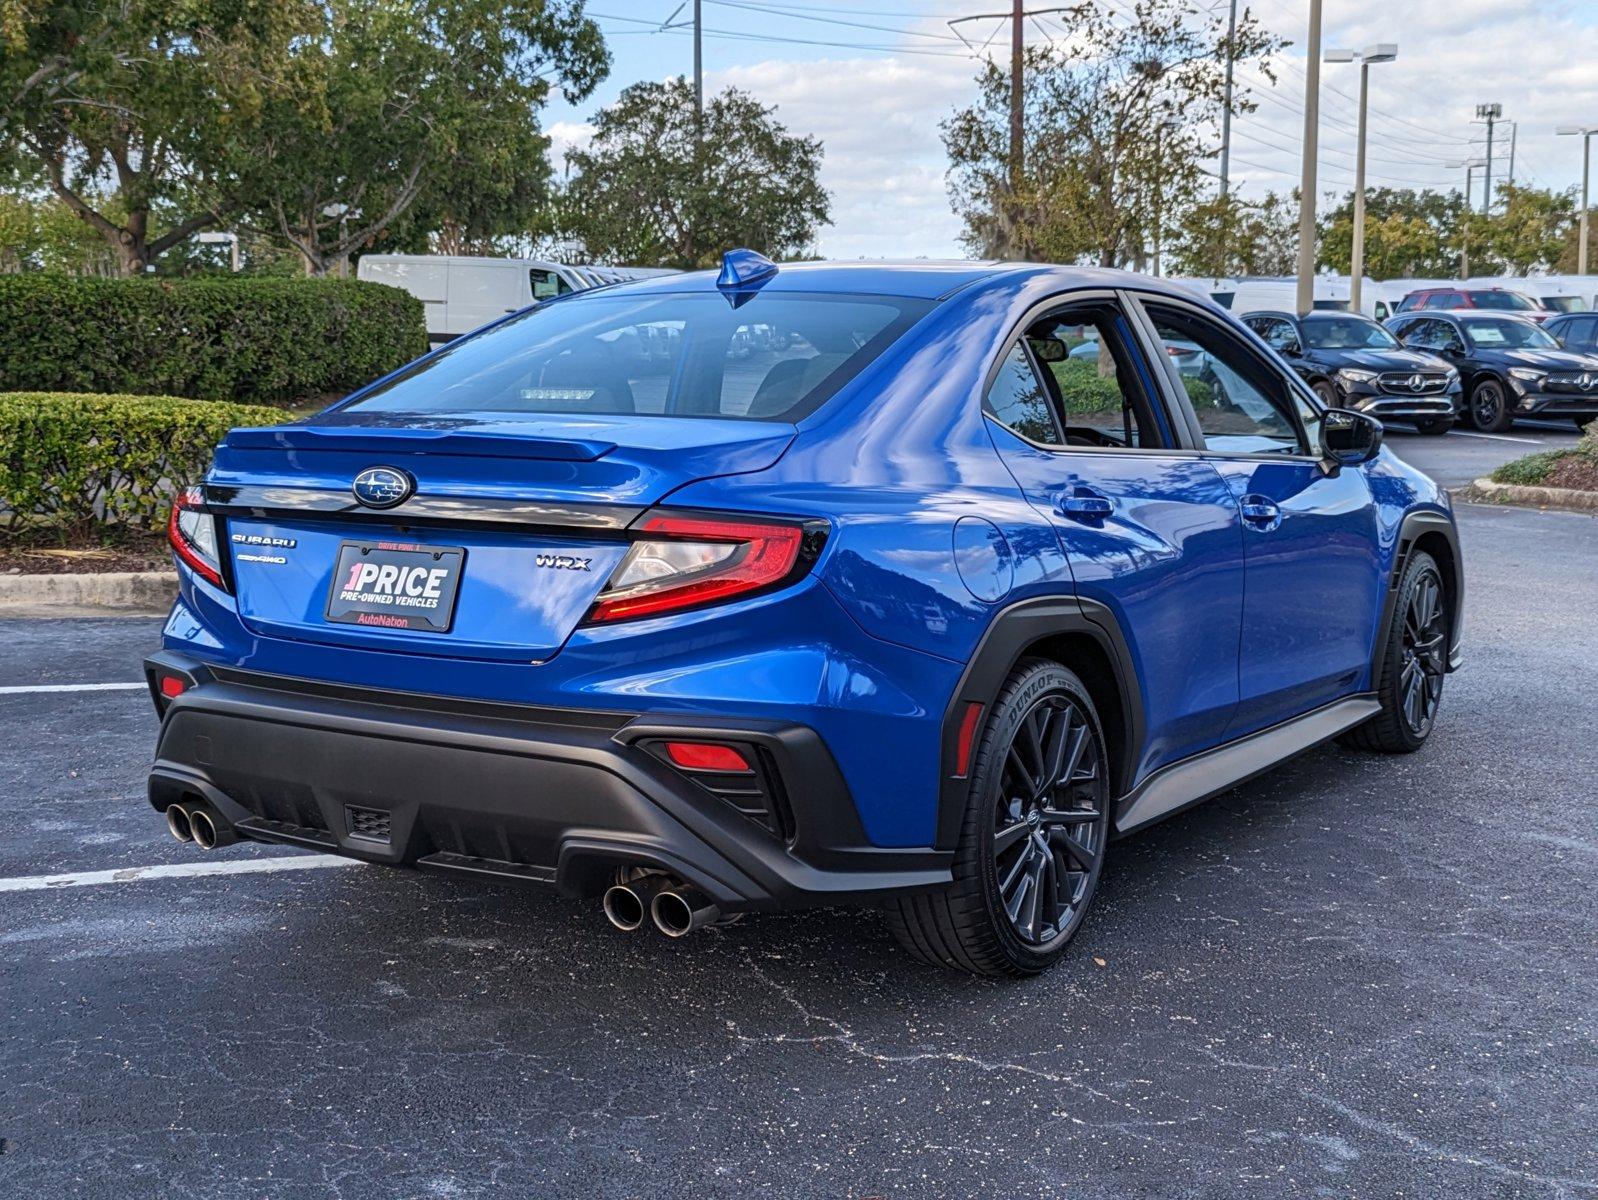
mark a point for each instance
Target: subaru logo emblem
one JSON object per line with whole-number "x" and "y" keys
{"x": 1417, "y": 383}
{"x": 383, "y": 487}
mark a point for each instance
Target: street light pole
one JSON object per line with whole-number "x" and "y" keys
{"x": 1306, "y": 198}
{"x": 1382, "y": 52}
{"x": 1585, "y": 132}
{"x": 1226, "y": 111}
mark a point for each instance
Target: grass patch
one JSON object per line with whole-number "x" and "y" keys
{"x": 1575, "y": 467}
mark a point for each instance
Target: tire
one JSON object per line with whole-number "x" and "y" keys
{"x": 1435, "y": 426}
{"x": 1416, "y": 658}
{"x": 1489, "y": 407}
{"x": 1583, "y": 422}
{"x": 1023, "y": 878}
{"x": 1327, "y": 393}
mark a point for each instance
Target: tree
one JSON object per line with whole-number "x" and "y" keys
{"x": 656, "y": 187}
{"x": 1409, "y": 233}
{"x": 1229, "y": 236}
{"x": 1116, "y": 122}
{"x": 410, "y": 115}
{"x": 1529, "y": 232}
{"x": 137, "y": 101}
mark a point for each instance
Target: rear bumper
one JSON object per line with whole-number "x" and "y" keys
{"x": 536, "y": 794}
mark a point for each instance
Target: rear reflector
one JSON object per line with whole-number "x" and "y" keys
{"x": 968, "y": 736}
{"x": 704, "y": 756}
{"x": 173, "y": 687}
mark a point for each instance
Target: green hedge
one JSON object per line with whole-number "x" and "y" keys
{"x": 243, "y": 339}
{"x": 73, "y": 462}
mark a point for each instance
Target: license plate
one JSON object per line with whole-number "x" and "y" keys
{"x": 395, "y": 585}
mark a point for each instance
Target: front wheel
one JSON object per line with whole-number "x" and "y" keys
{"x": 1032, "y": 843}
{"x": 1327, "y": 394}
{"x": 1413, "y": 665}
{"x": 1489, "y": 407}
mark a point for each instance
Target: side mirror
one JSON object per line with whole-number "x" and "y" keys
{"x": 1292, "y": 350}
{"x": 1049, "y": 350}
{"x": 1349, "y": 438}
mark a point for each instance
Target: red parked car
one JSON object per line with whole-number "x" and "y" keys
{"x": 1497, "y": 299}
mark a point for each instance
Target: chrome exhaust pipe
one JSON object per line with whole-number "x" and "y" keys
{"x": 178, "y": 824}
{"x": 678, "y": 911}
{"x": 209, "y": 829}
{"x": 624, "y": 907}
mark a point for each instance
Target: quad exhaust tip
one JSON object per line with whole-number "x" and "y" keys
{"x": 178, "y": 823}
{"x": 203, "y": 829}
{"x": 677, "y": 912}
{"x": 624, "y": 907}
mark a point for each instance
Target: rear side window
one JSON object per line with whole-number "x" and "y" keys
{"x": 1017, "y": 400}
{"x": 775, "y": 356}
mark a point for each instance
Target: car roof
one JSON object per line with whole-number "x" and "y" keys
{"x": 929, "y": 279}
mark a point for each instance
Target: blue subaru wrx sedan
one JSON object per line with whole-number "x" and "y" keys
{"x": 815, "y": 584}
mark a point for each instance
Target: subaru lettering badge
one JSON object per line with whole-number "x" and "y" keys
{"x": 383, "y": 487}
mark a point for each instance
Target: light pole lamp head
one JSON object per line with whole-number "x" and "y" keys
{"x": 1489, "y": 112}
{"x": 1380, "y": 52}
{"x": 1340, "y": 56}
{"x": 1576, "y": 130}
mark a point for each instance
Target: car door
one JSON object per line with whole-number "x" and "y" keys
{"x": 1150, "y": 529}
{"x": 1314, "y": 579}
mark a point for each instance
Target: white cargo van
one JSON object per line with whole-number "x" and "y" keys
{"x": 459, "y": 293}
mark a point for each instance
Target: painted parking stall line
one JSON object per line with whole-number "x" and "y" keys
{"x": 37, "y": 688}
{"x": 1497, "y": 437}
{"x": 245, "y": 866}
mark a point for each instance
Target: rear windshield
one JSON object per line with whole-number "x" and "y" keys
{"x": 1513, "y": 301}
{"x": 773, "y": 357}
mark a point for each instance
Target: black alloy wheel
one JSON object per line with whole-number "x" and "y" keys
{"x": 1048, "y": 835}
{"x": 1414, "y": 664}
{"x": 1032, "y": 840}
{"x": 1425, "y": 656}
{"x": 1489, "y": 409}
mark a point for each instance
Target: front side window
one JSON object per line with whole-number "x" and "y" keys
{"x": 776, "y": 356}
{"x": 1243, "y": 407}
{"x": 1497, "y": 333}
{"x": 1279, "y": 335}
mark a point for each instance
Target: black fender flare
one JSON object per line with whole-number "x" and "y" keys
{"x": 1011, "y": 633}
{"x": 1414, "y": 525}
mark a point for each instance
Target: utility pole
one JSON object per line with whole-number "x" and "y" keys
{"x": 1226, "y": 112}
{"x": 1489, "y": 113}
{"x": 1585, "y": 133}
{"x": 1470, "y": 165}
{"x": 1306, "y": 199}
{"x": 1514, "y": 136}
{"x": 1016, "y": 158}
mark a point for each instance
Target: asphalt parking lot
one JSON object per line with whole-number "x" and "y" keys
{"x": 1354, "y": 977}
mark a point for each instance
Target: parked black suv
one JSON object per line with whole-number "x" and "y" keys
{"x": 1352, "y": 362}
{"x": 1509, "y": 367}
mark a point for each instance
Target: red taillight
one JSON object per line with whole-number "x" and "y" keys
{"x": 691, "y": 561}
{"x": 192, "y": 533}
{"x": 172, "y": 687}
{"x": 706, "y": 756}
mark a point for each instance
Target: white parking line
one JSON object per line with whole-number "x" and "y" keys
{"x": 1496, "y": 437}
{"x": 74, "y": 687}
{"x": 243, "y": 866}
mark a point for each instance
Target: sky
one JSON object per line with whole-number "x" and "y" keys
{"x": 873, "y": 79}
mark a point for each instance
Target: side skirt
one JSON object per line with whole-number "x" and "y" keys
{"x": 1186, "y": 783}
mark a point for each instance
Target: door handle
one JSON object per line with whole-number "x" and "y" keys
{"x": 1085, "y": 506}
{"x": 1260, "y": 512}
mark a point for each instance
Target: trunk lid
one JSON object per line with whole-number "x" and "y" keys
{"x": 539, "y": 508}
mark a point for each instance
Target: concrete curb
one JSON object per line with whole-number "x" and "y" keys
{"x": 69, "y": 595}
{"x": 1535, "y": 497}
